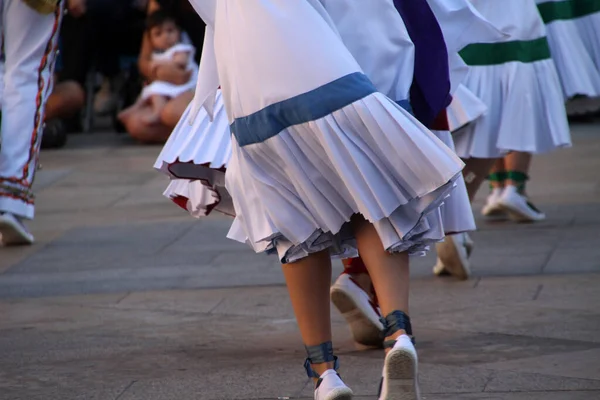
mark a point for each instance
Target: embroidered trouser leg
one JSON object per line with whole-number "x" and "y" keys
{"x": 29, "y": 41}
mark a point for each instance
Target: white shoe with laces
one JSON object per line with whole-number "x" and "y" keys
{"x": 400, "y": 379}
{"x": 13, "y": 231}
{"x": 361, "y": 314}
{"x": 518, "y": 207}
{"x": 331, "y": 387}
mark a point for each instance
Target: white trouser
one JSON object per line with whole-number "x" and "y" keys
{"x": 30, "y": 42}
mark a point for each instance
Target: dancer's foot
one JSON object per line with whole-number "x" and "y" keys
{"x": 331, "y": 387}
{"x": 328, "y": 384}
{"x": 400, "y": 377}
{"x": 492, "y": 208}
{"x": 518, "y": 207}
{"x": 400, "y": 372}
{"x": 453, "y": 256}
{"x": 13, "y": 231}
{"x": 361, "y": 313}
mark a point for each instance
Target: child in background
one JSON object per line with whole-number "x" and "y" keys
{"x": 166, "y": 39}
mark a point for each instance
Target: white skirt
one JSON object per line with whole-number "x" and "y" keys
{"x": 525, "y": 113}
{"x": 457, "y": 213}
{"x": 464, "y": 108}
{"x": 195, "y": 158}
{"x": 589, "y": 28}
{"x": 294, "y": 192}
{"x": 579, "y": 75}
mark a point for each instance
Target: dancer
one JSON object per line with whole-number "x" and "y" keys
{"x": 580, "y": 82}
{"x": 190, "y": 149}
{"x": 302, "y": 244}
{"x": 165, "y": 37}
{"x": 29, "y": 32}
{"x": 517, "y": 81}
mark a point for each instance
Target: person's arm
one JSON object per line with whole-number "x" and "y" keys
{"x": 168, "y": 72}
{"x": 145, "y": 57}
{"x": 181, "y": 58}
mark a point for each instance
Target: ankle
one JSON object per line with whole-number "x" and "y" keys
{"x": 321, "y": 368}
{"x": 396, "y": 324}
{"x": 319, "y": 359}
{"x": 497, "y": 179}
{"x": 518, "y": 180}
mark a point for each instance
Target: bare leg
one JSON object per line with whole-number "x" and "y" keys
{"x": 157, "y": 103}
{"x": 308, "y": 283}
{"x": 126, "y": 115}
{"x": 517, "y": 162}
{"x": 475, "y": 172}
{"x": 497, "y": 174}
{"x": 142, "y": 131}
{"x": 388, "y": 271}
{"x": 174, "y": 109}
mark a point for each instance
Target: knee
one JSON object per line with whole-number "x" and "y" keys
{"x": 171, "y": 114}
{"x": 136, "y": 128}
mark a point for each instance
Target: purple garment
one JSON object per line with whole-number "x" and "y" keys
{"x": 430, "y": 89}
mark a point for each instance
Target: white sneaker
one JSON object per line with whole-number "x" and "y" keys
{"x": 13, "y": 231}
{"x": 400, "y": 372}
{"x": 331, "y": 387}
{"x": 518, "y": 207}
{"x": 492, "y": 206}
{"x": 360, "y": 313}
{"x": 453, "y": 256}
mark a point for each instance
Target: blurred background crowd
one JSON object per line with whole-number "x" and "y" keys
{"x": 104, "y": 62}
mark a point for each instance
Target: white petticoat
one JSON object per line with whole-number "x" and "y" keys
{"x": 195, "y": 157}
{"x": 526, "y": 111}
{"x": 198, "y": 198}
{"x": 294, "y": 192}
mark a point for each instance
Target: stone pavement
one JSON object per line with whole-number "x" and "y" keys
{"x": 125, "y": 297}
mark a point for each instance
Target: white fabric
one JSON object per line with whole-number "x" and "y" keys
{"x": 457, "y": 213}
{"x": 194, "y": 157}
{"x": 195, "y": 145}
{"x": 197, "y": 142}
{"x": 27, "y": 83}
{"x": 574, "y": 57}
{"x": 589, "y": 27}
{"x": 461, "y": 25}
{"x": 200, "y": 198}
{"x": 167, "y": 89}
{"x": 525, "y": 102}
{"x": 385, "y": 55}
{"x": 464, "y": 108}
{"x": 577, "y": 71}
{"x": 295, "y": 191}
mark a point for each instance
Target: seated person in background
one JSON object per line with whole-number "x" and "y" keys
{"x": 193, "y": 26}
{"x": 165, "y": 38}
{"x": 122, "y": 25}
